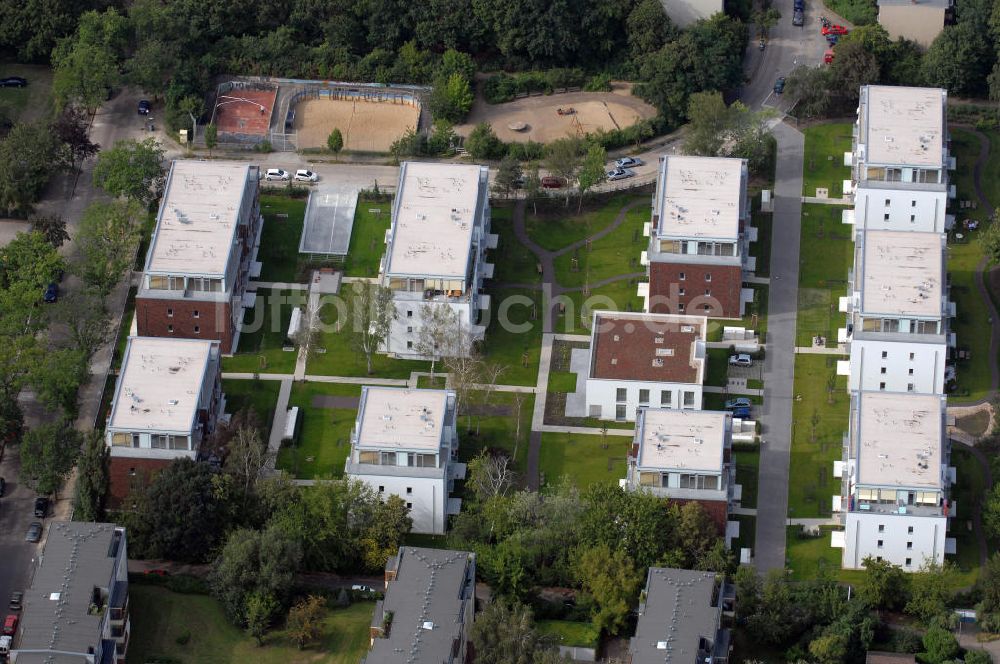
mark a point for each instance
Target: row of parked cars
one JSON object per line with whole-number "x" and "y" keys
{"x": 281, "y": 175}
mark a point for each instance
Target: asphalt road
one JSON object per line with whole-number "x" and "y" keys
{"x": 16, "y": 555}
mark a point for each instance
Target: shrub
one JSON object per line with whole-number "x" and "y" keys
{"x": 598, "y": 83}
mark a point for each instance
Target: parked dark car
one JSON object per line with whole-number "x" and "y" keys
{"x": 3, "y": 486}
{"x": 13, "y": 82}
{"x": 41, "y": 507}
{"x": 51, "y": 293}
{"x": 16, "y": 601}
{"x": 779, "y": 85}
{"x": 34, "y": 533}
{"x": 552, "y": 182}
{"x": 799, "y": 5}
{"x": 144, "y": 107}
{"x": 742, "y": 413}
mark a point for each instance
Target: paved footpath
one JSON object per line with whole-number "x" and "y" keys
{"x": 779, "y": 363}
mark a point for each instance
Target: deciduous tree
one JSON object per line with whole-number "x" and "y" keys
{"x": 591, "y": 171}
{"x": 563, "y": 158}
{"x": 389, "y": 524}
{"x": 92, "y": 478}
{"x": 107, "y": 239}
{"x": 884, "y": 585}
{"x": 508, "y": 174}
{"x": 483, "y": 144}
{"x": 72, "y": 128}
{"x": 305, "y": 619}
{"x": 335, "y": 141}
{"x": 439, "y": 328}
{"x": 29, "y": 156}
{"x": 451, "y": 97}
{"x": 131, "y": 169}
{"x": 52, "y": 227}
{"x": 211, "y": 137}
{"x": 48, "y": 452}
{"x": 370, "y": 315}
{"x": 81, "y": 312}
{"x": 505, "y": 633}
{"x": 610, "y": 577}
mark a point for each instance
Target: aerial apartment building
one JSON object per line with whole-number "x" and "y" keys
{"x": 203, "y": 253}
{"x": 427, "y": 612}
{"x": 895, "y": 477}
{"x": 77, "y": 607}
{"x": 900, "y": 161}
{"x": 699, "y": 238}
{"x": 436, "y": 252}
{"x": 644, "y": 360}
{"x": 685, "y": 456}
{"x": 404, "y": 443}
{"x": 168, "y": 398}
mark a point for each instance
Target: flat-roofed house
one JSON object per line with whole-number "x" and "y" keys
{"x": 427, "y": 612}
{"x": 168, "y": 398}
{"x": 639, "y": 360}
{"x": 203, "y": 253}
{"x": 897, "y": 366}
{"x": 895, "y": 477}
{"x": 699, "y": 238}
{"x": 684, "y": 455}
{"x": 404, "y": 443}
{"x": 900, "y": 161}
{"x": 436, "y": 251}
{"x": 680, "y": 618}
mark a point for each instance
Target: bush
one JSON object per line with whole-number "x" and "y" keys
{"x": 482, "y": 143}
{"x": 183, "y": 639}
{"x": 599, "y": 83}
{"x": 501, "y": 88}
{"x": 264, "y": 146}
{"x": 530, "y": 151}
{"x": 185, "y": 584}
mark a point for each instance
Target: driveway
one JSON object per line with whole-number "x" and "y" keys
{"x": 779, "y": 361}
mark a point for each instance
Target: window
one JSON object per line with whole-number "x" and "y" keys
{"x": 881, "y": 386}
{"x": 170, "y": 328}
{"x": 881, "y": 527}
{"x": 708, "y": 291}
{"x": 409, "y": 491}
{"x": 911, "y": 357}
{"x": 131, "y": 472}
{"x": 381, "y": 489}
{"x": 689, "y": 399}
{"x": 913, "y": 218}
{"x": 681, "y": 276}
{"x": 196, "y": 314}
{"x": 909, "y": 387}
{"x": 621, "y": 394}
{"x": 888, "y": 202}
{"x": 409, "y": 345}
{"x": 620, "y": 411}
{"x": 664, "y": 352}
{"x": 913, "y": 204}
{"x": 706, "y": 307}
{"x": 409, "y": 329}
{"x": 197, "y": 329}
{"x": 909, "y": 530}
{"x": 880, "y": 544}
{"x": 643, "y": 396}
{"x": 878, "y": 558}
{"x": 885, "y": 354}
{"x": 885, "y": 217}
{"x": 680, "y": 291}
{"x": 666, "y": 397}
{"x": 911, "y": 372}
{"x": 170, "y": 313}
{"x": 680, "y": 307}
{"x": 708, "y": 276}
{"x": 409, "y": 313}
{"x": 909, "y": 561}
{"x": 409, "y": 506}
{"x": 883, "y": 370}
{"x": 909, "y": 545}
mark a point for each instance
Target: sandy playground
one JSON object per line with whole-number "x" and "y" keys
{"x": 594, "y": 110}
{"x": 366, "y": 126}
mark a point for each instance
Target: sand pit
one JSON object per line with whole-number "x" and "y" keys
{"x": 366, "y": 126}
{"x": 594, "y": 110}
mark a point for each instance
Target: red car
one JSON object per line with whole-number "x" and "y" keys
{"x": 552, "y": 182}
{"x": 10, "y": 625}
{"x": 834, "y": 30}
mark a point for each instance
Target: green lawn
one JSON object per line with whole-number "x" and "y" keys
{"x": 583, "y": 458}
{"x": 858, "y": 12}
{"x": 263, "y": 335}
{"x": 160, "y": 618}
{"x": 823, "y": 158}
{"x": 971, "y": 323}
{"x": 566, "y": 633}
{"x": 748, "y": 534}
{"x": 761, "y": 249}
{"x": 826, "y": 255}
{"x": 562, "y": 381}
{"x": 558, "y": 227}
{"x": 498, "y": 431}
{"x": 615, "y": 254}
{"x": 121, "y": 341}
{"x": 617, "y": 296}
{"x": 324, "y": 440}
{"x": 969, "y": 489}
{"x": 261, "y": 396}
{"x": 436, "y": 383}
{"x": 30, "y": 103}
{"x": 514, "y": 333}
{"x": 807, "y": 555}
{"x": 340, "y": 359}
{"x": 717, "y": 367}
{"x": 747, "y": 462}
{"x": 514, "y": 263}
{"x": 368, "y": 238}
{"x": 819, "y": 421}
{"x": 279, "y": 239}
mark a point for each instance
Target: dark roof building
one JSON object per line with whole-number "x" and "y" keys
{"x": 76, "y": 610}
{"x": 428, "y": 608}
{"x": 680, "y": 619}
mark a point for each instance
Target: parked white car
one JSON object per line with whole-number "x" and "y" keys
{"x": 276, "y": 174}
{"x": 741, "y": 360}
{"x": 619, "y": 174}
{"x": 303, "y": 175}
{"x": 628, "y": 162}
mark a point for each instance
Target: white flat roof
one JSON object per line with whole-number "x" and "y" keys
{"x": 399, "y": 418}
{"x": 903, "y": 273}
{"x": 434, "y": 215}
{"x": 198, "y": 217}
{"x": 700, "y": 197}
{"x": 899, "y": 439}
{"x": 160, "y": 384}
{"x": 904, "y": 126}
{"x": 682, "y": 439}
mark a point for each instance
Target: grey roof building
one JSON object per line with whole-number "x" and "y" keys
{"x": 76, "y": 610}
{"x": 428, "y": 608}
{"x": 680, "y": 619}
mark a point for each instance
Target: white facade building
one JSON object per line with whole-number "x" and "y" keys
{"x": 436, "y": 250}
{"x": 686, "y": 12}
{"x": 895, "y": 478}
{"x": 403, "y": 443}
{"x": 897, "y": 366}
{"x": 644, "y": 360}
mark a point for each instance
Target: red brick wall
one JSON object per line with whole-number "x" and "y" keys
{"x": 214, "y": 320}
{"x": 123, "y": 481}
{"x": 717, "y": 509}
{"x": 665, "y": 286}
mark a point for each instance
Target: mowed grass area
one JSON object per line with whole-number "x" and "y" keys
{"x": 971, "y": 322}
{"x": 858, "y": 12}
{"x": 747, "y": 468}
{"x": 260, "y": 396}
{"x": 341, "y": 359}
{"x": 497, "y": 431}
{"x": 826, "y": 254}
{"x": 823, "y": 158}
{"x": 31, "y": 103}
{"x": 748, "y": 533}
{"x": 264, "y": 332}
{"x": 969, "y": 489}
{"x": 160, "y": 618}
{"x": 567, "y": 633}
{"x": 279, "y": 239}
{"x": 819, "y": 421}
{"x": 806, "y": 556}
{"x": 579, "y": 310}
{"x": 557, "y": 226}
{"x": 368, "y": 238}
{"x": 513, "y": 262}
{"x": 615, "y": 254}
{"x": 514, "y": 333}
{"x": 761, "y": 249}
{"x": 324, "y": 439}
{"x": 583, "y": 458}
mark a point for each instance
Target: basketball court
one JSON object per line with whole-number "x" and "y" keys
{"x": 329, "y": 219}
{"x": 245, "y": 111}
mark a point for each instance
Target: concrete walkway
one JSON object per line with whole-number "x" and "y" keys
{"x": 746, "y": 391}
{"x": 828, "y": 201}
{"x": 779, "y": 363}
{"x": 277, "y": 426}
{"x": 538, "y": 414}
{"x": 821, "y": 350}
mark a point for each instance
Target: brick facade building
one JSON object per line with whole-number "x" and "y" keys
{"x": 699, "y": 290}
